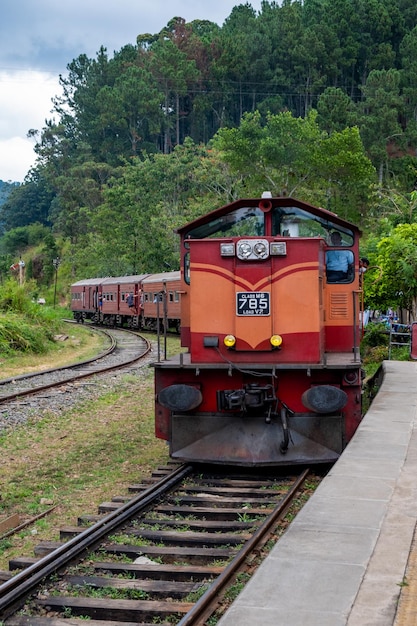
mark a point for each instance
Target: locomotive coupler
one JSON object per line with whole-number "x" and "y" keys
{"x": 250, "y": 397}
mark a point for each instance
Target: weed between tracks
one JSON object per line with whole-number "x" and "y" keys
{"x": 78, "y": 459}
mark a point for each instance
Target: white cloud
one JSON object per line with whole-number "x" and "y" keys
{"x": 16, "y": 158}
{"x": 25, "y": 103}
{"x": 48, "y": 35}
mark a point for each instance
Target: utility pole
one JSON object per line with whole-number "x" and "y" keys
{"x": 21, "y": 271}
{"x": 56, "y": 263}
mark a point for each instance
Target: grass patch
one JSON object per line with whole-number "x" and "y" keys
{"x": 32, "y": 335}
{"x": 78, "y": 459}
{"x": 75, "y": 343}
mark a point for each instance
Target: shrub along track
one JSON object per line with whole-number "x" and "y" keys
{"x": 162, "y": 556}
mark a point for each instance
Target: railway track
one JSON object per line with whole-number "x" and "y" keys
{"x": 125, "y": 348}
{"x": 164, "y": 553}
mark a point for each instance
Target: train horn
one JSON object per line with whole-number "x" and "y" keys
{"x": 265, "y": 205}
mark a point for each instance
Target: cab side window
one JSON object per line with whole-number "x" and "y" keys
{"x": 339, "y": 266}
{"x": 339, "y": 262}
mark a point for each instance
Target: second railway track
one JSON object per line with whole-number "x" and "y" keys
{"x": 162, "y": 554}
{"x": 125, "y": 348}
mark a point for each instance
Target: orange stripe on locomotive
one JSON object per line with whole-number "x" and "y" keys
{"x": 296, "y": 287}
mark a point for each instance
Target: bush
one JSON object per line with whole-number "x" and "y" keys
{"x": 16, "y": 335}
{"x": 24, "y": 325}
{"x": 376, "y": 354}
{"x": 15, "y": 297}
{"x": 374, "y": 347}
{"x": 375, "y": 335}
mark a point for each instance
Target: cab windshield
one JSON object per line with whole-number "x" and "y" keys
{"x": 243, "y": 222}
{"x": 295, "y": 222}
{"x": 288, "y": 221}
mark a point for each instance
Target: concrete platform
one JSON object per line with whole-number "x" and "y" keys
{"x": 343, "y": 560}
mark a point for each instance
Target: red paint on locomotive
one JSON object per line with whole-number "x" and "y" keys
{"x": 287, "y": 386}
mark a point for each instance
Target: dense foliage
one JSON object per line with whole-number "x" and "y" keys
{"x": 311, "y": 98}
{"x": 25, "y": 326}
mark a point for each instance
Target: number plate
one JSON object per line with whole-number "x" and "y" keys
{"x": 252, "y": 303}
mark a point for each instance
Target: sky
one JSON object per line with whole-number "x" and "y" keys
{"x": 40, "y": 37}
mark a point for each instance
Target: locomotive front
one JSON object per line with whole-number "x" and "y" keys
{"x": 272, "y": 374}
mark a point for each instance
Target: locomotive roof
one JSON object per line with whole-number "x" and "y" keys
{"x": 279, "y": 201}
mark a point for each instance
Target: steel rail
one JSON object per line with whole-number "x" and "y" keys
{"x": 33, "y": 391}
{"x": 203, "y": 608}
{"x": 101, "y": 355}
{"x": 15, "y": 590}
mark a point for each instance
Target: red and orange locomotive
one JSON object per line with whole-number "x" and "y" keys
{"x": 270, "y": 311}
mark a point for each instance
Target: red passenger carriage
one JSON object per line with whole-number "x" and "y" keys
{"x": 85, "y": 299}
{"x": 161, "y": 299}
{"x": 142, "y": 301}
{"x": 121, "y": 301}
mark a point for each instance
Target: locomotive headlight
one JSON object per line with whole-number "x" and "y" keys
{"x": 229, "y": 341}
{"x": 227, "y": 249}
{"x": 252, "y": 249}
{"x": 260, "y": 249}
{"x": 276, "y": 341}
{"x": 244, "y": 250}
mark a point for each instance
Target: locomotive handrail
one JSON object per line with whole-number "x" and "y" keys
{"x": 356, "y": 312}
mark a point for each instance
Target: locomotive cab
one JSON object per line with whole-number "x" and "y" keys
{"x": 272, "y": 372}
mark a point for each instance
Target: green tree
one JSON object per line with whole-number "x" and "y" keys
{"x": 174, "y": 73}
{"x": 397, "y": 258}
{"x": 132, "y": 109}
{"x": 28, "y": 203}
{"x": 282, "y": 26}
{"x": 408, "y": 50}
{"x": 242, "y": 65}
{"x": 292, "y": 156}
{"x": 394, "y": 207}
{"x": 134, "y": 226}
{"x": 346, "y": 175}
{"x": 81, "y": 193}
{"x": 335, "y": 110}
{"x": 380, "y": 125}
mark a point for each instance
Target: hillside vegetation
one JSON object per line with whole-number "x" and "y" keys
{"x": 315, "y": 99}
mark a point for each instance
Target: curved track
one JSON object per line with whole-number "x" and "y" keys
{"x": 125, "y": 348}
